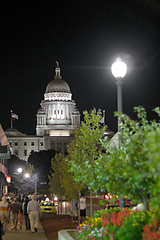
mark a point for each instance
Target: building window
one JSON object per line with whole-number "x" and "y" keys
{"x": 54, "y": 111}
{"x": 32, "y": 143}
{"x": 61, "y": 111}
{"x": 41, "y": 143}
{"x": 25, "y": 143}
{"x": 16, "y": 143}
{"x": 25, "y": 152}
{"x": 10, "y": 143}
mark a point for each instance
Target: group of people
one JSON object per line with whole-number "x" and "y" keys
{"x": 16, "y": 210}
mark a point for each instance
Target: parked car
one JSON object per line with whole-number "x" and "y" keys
{"x": 113, "y": 203}
{"x": 47, "y": 206}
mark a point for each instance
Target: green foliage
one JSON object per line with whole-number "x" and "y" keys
{"x": 54, "y": 178}
{"x": 121, "y": 224}
{"x": 103, "y": 225}
{"x": 62, "y": 182}
{"x": 153, "y": 144}
{"x": 125, "y": 169}
{"x": 132, "y": 227}
{"x": 85, "y": 148}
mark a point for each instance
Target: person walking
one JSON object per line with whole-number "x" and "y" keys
{"x": 15, "y": 208}
{"x": 26, "y": 217}
{"x": 4, "y": 212}
{"x": 1, "y": 230}
{"x": 20, "y": 217}
{"x": 83, "y": 207}
{"x": 75, "y": 210}
{"x": 34, "y": 211}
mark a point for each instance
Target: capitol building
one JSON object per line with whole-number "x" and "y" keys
{"x": 57, "y": 119}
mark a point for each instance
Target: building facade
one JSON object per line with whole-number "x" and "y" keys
{"x": 57, "y": 118}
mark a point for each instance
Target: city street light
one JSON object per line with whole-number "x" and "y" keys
{"x": 27, "y": 175}
{"x": 35, "y": 178}
{"x": 19, "y": 170}
{"x": 119, "y": 70}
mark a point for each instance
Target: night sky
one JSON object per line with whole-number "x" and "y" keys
{"x": 84, "y": 37}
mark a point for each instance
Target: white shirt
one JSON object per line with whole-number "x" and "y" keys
{"x": 83, "y": 203}
{"x": 33, "y": 205}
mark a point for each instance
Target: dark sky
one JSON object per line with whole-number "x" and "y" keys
{"x": 84, "y": 37}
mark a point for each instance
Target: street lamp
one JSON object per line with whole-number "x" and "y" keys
{"x": 119, "y": 70}
{"x": 35, "y": 178}
{"x": 19, "y": 170}
{"x": 27, "y": 175}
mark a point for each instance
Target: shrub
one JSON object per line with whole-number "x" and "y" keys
{"x": 132, "y": 227}
{"x": 121, "y": 224}
{"x": 102, "y": 225}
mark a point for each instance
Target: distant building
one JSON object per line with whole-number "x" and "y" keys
{"x": 56, "y": 120}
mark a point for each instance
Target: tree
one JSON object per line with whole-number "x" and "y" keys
{"x": 125, "y": 170}
{"x": 42, "y": 163}
{"x": 54, "y": 179}
{"x": 84, "y": 150}
{"x": 61, "y": 182}
{"x": 19, "y": 182}
{"x": 153, "y": 144}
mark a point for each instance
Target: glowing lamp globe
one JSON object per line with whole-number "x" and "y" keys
{"x": 27, "y": 175}
{"x": 119, "y": 68}
{"x": 19, "y": 170}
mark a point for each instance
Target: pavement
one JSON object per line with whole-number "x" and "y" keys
{"x": 22, "y": 234}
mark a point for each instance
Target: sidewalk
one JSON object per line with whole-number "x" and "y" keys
{"x": 22, "y": 234}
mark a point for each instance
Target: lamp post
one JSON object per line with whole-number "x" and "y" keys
{"x": 35, "y": 176}
{"x": 119, "y": 70}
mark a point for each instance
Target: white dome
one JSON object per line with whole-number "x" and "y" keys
{"x": 57, "y": 84}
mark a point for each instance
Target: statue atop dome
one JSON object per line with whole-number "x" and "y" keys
{"x": 57, "y": 70}
{"x": 57, "y": 64}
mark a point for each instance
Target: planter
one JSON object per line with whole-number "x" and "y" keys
{"x": 64, "y": 235}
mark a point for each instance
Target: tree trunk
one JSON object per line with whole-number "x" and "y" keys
{"x": 146, "y": 201}
{"x": 79, "y": 217}
{"x": 121, "y": 202}
{"x": 91, "y": 205}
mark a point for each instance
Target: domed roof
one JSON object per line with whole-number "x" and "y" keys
{"x": 57, "y": 84}
{"x": 12, "y": 132}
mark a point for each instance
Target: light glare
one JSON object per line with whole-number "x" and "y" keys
{"x": 119, "y": 68}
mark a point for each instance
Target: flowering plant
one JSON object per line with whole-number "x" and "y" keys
{"x": 151, "y": 230}
{"x": 132, "y": 227}
{"x": 121, "y": 224}
{"x": 102, "y": 225}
